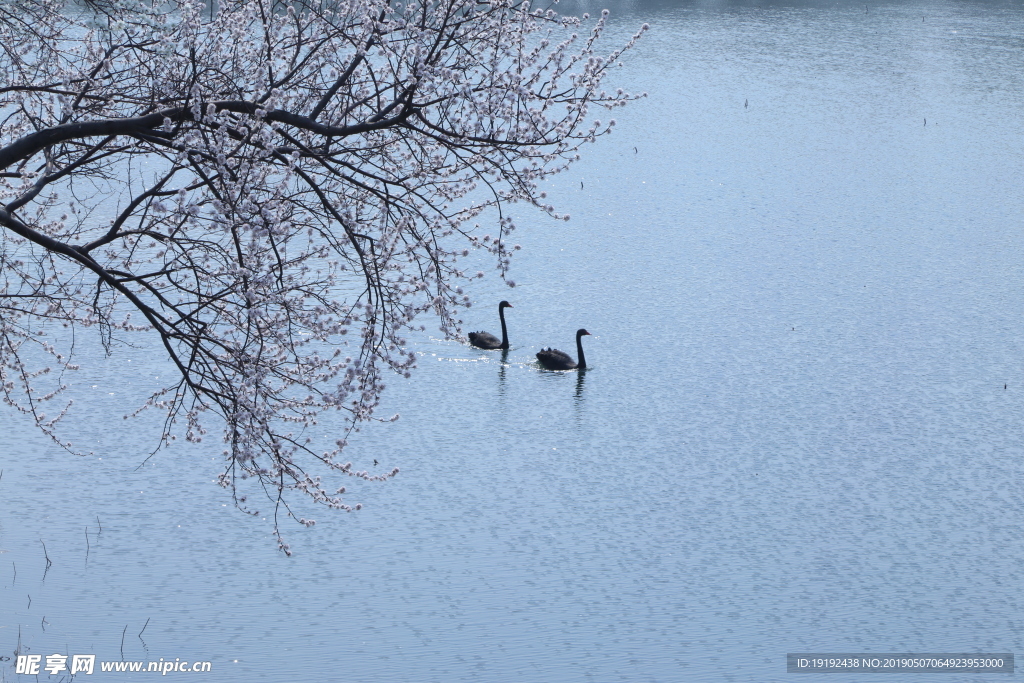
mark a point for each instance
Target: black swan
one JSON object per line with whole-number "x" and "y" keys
{"x": 553, "y": 359}
{"x": 486, "y": 340}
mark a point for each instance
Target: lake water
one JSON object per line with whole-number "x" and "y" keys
{"x": 801, "y": 261}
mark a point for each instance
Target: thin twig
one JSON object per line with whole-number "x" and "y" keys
{"x": 122, "y": 641}
{"x": 47, "y": 555}
{"x": 140, "y": 635}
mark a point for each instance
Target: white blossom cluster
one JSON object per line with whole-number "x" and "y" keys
{"x": 274, "y": 190}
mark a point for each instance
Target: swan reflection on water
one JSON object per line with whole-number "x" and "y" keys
{"x": 502, "y": 369}
{"x": 579, "y": 385}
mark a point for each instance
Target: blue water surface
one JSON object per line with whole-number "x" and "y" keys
{"x": 800, "y": 259}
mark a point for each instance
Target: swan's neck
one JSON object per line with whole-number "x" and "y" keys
{"x": 579, "y": 352}
{"x": 504, "y": 332}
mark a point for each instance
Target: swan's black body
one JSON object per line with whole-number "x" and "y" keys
{"x": 486, "y": 340}
{"x": 553, "y": 359}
